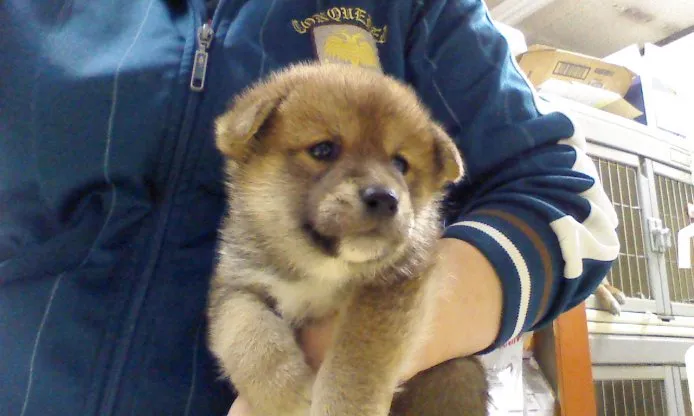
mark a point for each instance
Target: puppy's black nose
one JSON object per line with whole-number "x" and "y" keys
{"x": 380, "y": 201}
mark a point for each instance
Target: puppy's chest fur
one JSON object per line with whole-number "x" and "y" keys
{"x": 303, "y": 291}
{"x": 306, "y": 299}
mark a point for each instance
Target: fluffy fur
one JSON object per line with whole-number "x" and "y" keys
{"x": 303, "y": 240}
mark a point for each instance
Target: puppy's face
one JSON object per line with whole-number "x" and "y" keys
{"x": 335, "y": 162}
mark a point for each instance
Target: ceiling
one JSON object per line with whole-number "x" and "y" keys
{"x": 596, "y": 27}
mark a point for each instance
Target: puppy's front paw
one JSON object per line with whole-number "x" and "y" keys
{"x": 286, "y": 390}
{"x": 335, "y": 396}
{"x": 296, "y": 379}
{"x": 610, "y": 298}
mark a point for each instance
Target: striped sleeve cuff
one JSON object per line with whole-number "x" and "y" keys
{"x": 525, "y": 254}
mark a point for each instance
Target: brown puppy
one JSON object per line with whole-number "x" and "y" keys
{"x": 335, "y": 180}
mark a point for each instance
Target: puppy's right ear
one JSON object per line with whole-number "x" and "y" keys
{"x": 447, "y": 156}
{"x": 236, "y": 129}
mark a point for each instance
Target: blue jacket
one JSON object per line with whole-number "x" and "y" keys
{"x": 111, "y": 193}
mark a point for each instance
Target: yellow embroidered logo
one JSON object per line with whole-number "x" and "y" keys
{"x": 350, "y": 47}
{"x": 346, "y": 44}
{"x": 344, "y": 35}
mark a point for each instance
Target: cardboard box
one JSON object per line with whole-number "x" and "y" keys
{"x": 581, "y": 78}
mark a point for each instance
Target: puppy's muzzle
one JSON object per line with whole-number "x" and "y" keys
{"x": 380, "y": 202}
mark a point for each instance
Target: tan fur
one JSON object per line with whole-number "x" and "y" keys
{"x": 610, "y": 298}
{"x": 299, "y": 243}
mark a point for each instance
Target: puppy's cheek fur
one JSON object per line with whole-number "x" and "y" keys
{"x": 270, "y": 189}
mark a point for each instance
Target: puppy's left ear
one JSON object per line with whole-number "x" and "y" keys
{"x": 235, "y": 130}
{"x": 447, "y": 157}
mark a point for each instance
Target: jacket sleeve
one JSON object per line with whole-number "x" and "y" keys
{"x": 531, "y": 201}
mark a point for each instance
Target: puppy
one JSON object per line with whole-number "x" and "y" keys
{"x": 335, "y": 179}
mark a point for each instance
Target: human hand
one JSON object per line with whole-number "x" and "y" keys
{"x": 240, "y": 408}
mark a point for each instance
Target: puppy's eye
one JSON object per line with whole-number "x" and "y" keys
{"x": 401, "y": 164}
{"x": 326, "y": 151}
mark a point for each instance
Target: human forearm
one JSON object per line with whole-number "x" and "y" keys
{"x": 467, "y": 314}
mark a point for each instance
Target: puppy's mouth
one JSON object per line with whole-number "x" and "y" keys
{"x": 362, "y": 248}
{"x": 326, "y": 244}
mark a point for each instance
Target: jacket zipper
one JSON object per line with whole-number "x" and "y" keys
{"x": 197, "y": 77}
{"x": 204, "y": 36}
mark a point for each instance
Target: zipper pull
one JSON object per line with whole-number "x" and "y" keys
{"x": 197, "y": 78}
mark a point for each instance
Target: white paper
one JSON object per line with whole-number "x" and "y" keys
{"x": 593, "y": 96}
{"x": 684, "y": 254}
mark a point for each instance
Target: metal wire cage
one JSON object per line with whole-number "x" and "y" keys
{"x": 685, "y": 395}
{"x": 631, "y": 398}
{"x": 673, "y": 197}
{"x": 630, "y": 272}
{"x": 647, "y": 174}
{"x": 641, "y": 384}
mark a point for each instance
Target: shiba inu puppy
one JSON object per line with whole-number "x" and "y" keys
{"x": 335, "y": 176}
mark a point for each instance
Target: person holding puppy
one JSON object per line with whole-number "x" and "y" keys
{"x": 111, "y": 188}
